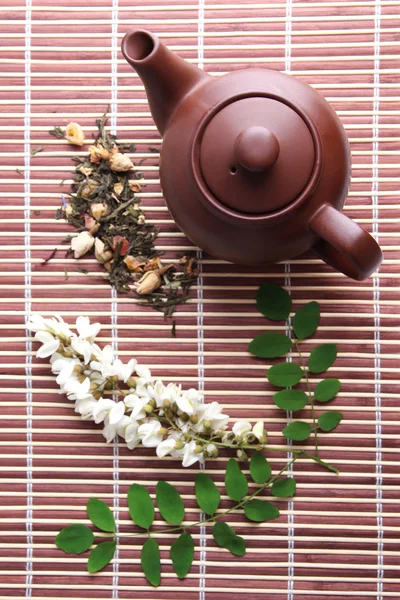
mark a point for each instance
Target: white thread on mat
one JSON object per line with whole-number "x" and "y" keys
{"x": 28, "y": 300}
{"x": 377, "y": 345}
{"x": 114, "y": 305}
{"x": 200, "y": 331}
{"x": 290, "y": 588}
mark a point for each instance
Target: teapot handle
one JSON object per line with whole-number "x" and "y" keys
{"x": 344, "y": 245}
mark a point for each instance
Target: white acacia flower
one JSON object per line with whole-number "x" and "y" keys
{"x": 131, "y": 434}
{"x": 240, "y": 428}
{"x": 116, "y": 413}
{"x": 157, "y": 392}
{"x": 75, "y": 389}
{"x": 144, "y": 375}
{"x": 259, "y": 431}
{"x": 172, "y": 392}
{"x": 149, "y": 433}
{"x": 85, "y": 407}
{"x": 166, "y": 447}
{"x": 82, "y": 243}
{"x": 213, "y": 415}
{"x": 65, "y": 368}
{"x": 82, "y": 347}
{"x": 189, "y": 401}
{"x": 124, "y": 371}
{"x": 104, "y": 361}
{"x": 55, "y": 325}
{"x": 111, "y": 430}
{"x": 190, "y": 456}
{"x": 49, "y": 344}
{"x": 104, "y": 405}
{"x": 136, "y": 405}
{"x": 86, "y": 329}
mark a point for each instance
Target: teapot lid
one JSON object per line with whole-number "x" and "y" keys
{"x": 256, "y": 155}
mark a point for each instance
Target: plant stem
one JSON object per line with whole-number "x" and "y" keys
{"x": 310, "y": 395}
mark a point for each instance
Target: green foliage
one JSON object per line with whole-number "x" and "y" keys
{"x": 150, "y": 561}
{"x": 207, "y": 493}
{"x": 182, "y": 554}
{"x": 169, "y": 502}
{"x": 326, "y": 390}
{"x": 284, "y": 488}
{"x": 306, "y": 320}
{"x": 100, "y": 515}
{"x": 261, "y": 510}
{"x": 101, "y": 556}
{"x": 328, "y": 421}
{"x": 297, "y": 431}
{"x": 141, "y": 508}
{"x": 235, "y": 482}
{"x": 225, "y": 537}
{"x": 285, "y": 374}
{"x": 291, "y": 399}
{"x": 270, "y": 345}
{"x": 74, "y": 539}
{"x": 322, "y": 357}
{"x": 273, "y": 301}
{"x": 260, "y": 469}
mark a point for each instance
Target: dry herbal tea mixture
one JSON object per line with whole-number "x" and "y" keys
{"x": 103, "y": 206}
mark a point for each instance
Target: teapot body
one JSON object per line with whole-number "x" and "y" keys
{"x": 236, "y": 235}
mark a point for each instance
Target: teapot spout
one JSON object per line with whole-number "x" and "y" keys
{"x": 167, "y": 78}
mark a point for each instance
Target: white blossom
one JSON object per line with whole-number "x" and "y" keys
{"x": 86, "y": 329}
{"x": 259, "y": 431}
{"x": 49, "y": 344}
{"x": 136, "y": 405}
{"x": 82, "y": 347}
{"x": 131, "y": 434}
{"x": 144, "y": 375}
{"x": 85, "y": 407}
{"x": 104, "y": 362}
{"x": 123, "y": 371}
{"x": 104, "y": 405}
{"x": 211, "y": 413}
{"x": 240, "y": 428}
{"x": 149, "y": 433}
{"x": 166, "y": 447}
{"x": 190, "y": 456}
{"x": 64, "y": 367}
{"x": 111, "y": 430}
{"x": 189, "y": 401}
{"x": 75, "y": 389}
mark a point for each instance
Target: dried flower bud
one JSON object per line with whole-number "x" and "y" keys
{"x": 153, "y": 264}
{"x": 119, "y": 240}
{"x": 135, "y": 186}
{"x": 141, "y": 220}
{"x": 69, "y": 210}
{"x": 119, "y": 162}
{"x": 82, "y": 243}
{"x": 136, "y": 206}
{"x": 118, "y": 188}
{"x": 88, "y": 188}
{"x": 74, "y": 134}
{"x": 134, "y": 264}
{"x": 99, "y": 209}
{"x": 85, "y": 170}
{"x": 98, "y": 153}
{"x": 89, "y": 221}
{"x": 148, "y": 283}
{"x": 102, "y": 255}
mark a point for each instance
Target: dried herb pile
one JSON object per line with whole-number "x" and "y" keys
{"x": 103, "y": 206}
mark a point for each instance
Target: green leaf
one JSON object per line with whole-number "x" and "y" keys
{"x": 225, "y": 537}
{"x": 260, "y": 510}
{"x": 207, "y": 494}
{"x": 291, "y": 399}
{"x": 285, "y": 374}
{"x": 150, "y": 561}
{"x": 235, "y": 482}
{"x": 273, "y": 301}
{"x": 270, "y": 345}
{"x": 284, "y": 488}
{"x": 327, "y": 389}
{"x": 297, "y": 431}
{"x": 101, "y": 556}
{"x": 260, "y": 469}
{"x": 306, "y": 320}
{"x": 322, "y": 357}
{"x": 140, "y": 505}
{"x": 328, "y": 421}
{"x": 182, "y": 554}
{"x": 100, "y": 515}
{"x": 75, "y": 539}
{"x": 170, "y": 504}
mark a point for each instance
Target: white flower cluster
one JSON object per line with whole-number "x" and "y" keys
{"x": 130, "y": 403}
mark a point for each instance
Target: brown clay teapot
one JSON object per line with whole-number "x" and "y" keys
{"x": 255, "y": 165}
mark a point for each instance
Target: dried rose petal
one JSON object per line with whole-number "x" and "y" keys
{"x": 125, "y": 244}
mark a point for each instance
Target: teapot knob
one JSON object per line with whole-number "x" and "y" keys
{"x": 256, "y": 148}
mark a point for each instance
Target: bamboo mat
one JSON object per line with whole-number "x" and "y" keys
{"x": 339, "y": 538}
